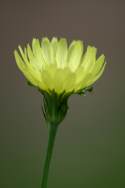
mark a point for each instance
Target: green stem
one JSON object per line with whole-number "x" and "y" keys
{"x": 51, "y": 140}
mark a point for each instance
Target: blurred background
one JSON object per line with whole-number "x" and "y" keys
{"x": 90, "y": 145}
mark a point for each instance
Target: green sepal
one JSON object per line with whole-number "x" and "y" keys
{"x": 90, "y": 89}
{"x": 29, "y": 83}
{"x": 83, "y": 91}
{"x": 54, "y": 107}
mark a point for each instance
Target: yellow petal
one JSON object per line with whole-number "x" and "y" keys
{"x": 54, "y": 43}
{"x": 89, "y": 59}
{"x": 74, "y": 54}
{"x": 61, "y": 54}
{"x": 30, "y": 53}
{"x": 47, "y": 50}
{"x": 99, "y": 64}
{"x": 96, "y": 77}
{"x": 24, "y": 69}
{"x": 19, "y": 61}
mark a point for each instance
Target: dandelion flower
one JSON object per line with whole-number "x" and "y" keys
{"x": 58, "y": 69}
{"x": 55, "y": 66}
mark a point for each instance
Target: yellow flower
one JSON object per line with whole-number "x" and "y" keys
{"x": 58, "y": 70}
{"x": 55, "y": 66}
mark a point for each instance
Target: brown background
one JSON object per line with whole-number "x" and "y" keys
{"x": 90, "y": 146}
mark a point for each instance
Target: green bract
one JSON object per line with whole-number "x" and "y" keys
{"x": 52, "y": 65}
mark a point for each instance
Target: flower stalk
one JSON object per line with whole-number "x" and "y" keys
{"x": 48, "y": 157}
{"x": 54, "y": 109}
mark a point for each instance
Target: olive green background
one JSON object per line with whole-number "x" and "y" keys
{"x": 90, "y": 145}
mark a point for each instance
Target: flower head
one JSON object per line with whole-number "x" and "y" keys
{"x": 53, "y": 66}
{"x": 58, "y": 70}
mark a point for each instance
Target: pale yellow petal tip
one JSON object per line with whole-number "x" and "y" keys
{"x": 19, "y": 61}
{"x": 91, "y": 48}
{"x": 101, "y": 59}
{"x": 54, "y": 39}
{"x": 62, "y": 39}
{"x": 20, "y": 49}
{"x": 34, "y": 39}
{"x": 17, "y": 57}
{"x": 16, "y": 54}
{"x": 46, "y": 39}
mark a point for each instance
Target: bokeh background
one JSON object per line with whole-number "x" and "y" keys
{"x": 90, "y": 145}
